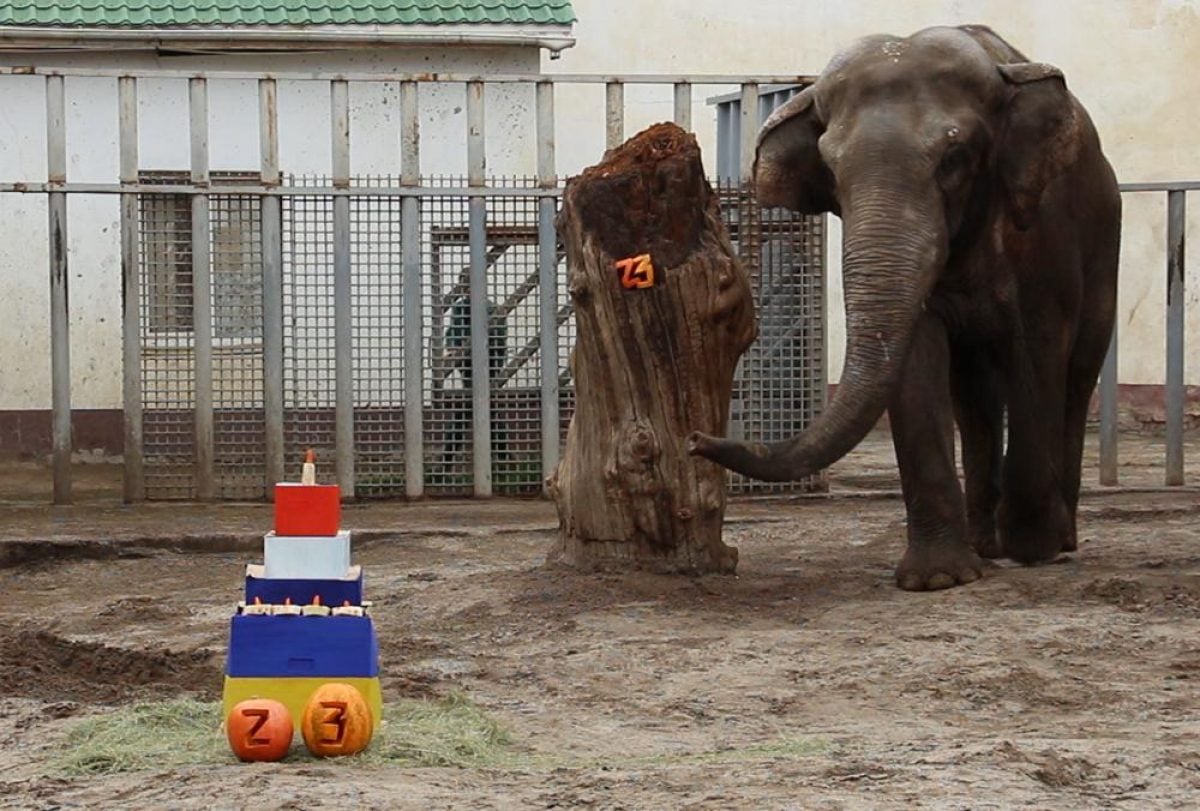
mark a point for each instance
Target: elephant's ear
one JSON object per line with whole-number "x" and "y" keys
{"x": 788, "y": 169}
{"x": 1041, "y": 138}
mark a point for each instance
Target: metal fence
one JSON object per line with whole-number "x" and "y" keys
{"x": 413, "y": 330}
{"x": 1176, "y": 393}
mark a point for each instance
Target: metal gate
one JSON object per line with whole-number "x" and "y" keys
{"x": 775, "y": 389}
{"x": 413, "y": 330}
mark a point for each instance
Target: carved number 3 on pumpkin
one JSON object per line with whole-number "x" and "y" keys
{"x": 336, "y": 719}
{"x": 637, "y": 272}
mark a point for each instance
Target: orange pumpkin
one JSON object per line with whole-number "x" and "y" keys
{"x": 259, "y": 729}
{"x": 336, "y": 721}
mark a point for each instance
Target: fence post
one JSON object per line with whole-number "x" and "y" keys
{"x": 343, "y": 335}
{"x": 480, "y": 321}
{"x": 547, "y": 281}
{"x": 272, "y": 270}
{"x": 1176, "y": 226}
{"x": 202, "y": 291}
{"x": 60, "y": 337}
{"x": 131, "y": 295}
{"x": 410, "y": 258}
{"x": 749, "y": 131}
{"x": 683, "y": 105}
{"x": 614, "y": 115}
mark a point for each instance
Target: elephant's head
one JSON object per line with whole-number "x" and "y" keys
{"x": 914, "y": 143}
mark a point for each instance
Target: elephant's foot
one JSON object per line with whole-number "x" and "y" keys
{"x": 984, "y": 539}
{"x": 940, "y": 565}
{"x": 987, "y": 546}
{"x": 1069, "y": 543}
{"x": 1038, "y": 533}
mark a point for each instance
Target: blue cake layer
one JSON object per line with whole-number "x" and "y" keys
{"x": 301, "y": 592}
{"x": 270, "y": 646}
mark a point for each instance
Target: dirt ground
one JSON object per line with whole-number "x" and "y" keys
{"x": 807, "y": 681}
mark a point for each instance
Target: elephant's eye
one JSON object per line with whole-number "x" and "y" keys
{"x": 955, "y": 162}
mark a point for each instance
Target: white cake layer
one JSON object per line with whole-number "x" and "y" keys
{"x": 306, "y": 557}
{"x": 260, "y": 571}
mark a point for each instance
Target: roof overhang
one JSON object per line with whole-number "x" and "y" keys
{"x": 280, "y": 37}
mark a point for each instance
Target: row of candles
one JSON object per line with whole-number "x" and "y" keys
{"x": 314, "y": 609}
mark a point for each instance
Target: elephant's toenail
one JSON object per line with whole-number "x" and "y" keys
{"x": 941, "y": 580}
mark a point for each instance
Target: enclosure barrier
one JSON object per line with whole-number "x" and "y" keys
{"x": 203, "y": 444}
{"x": 1175, "y": 391}
{"x": 738, "y": 121}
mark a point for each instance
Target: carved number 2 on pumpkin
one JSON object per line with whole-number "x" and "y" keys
{"x": 336, "y": 718}
{"x": 260, "y": 719}
{"x": 637, "y": 272}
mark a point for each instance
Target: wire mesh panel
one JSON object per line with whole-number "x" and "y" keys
{"x": 378, "y": 341}
{"x": 239, "y": 428}
{"x": 778, "y": 387}
{"x": 445, "y": 252}
{"x": 168, "y": 340}
{"x": 308, "y": 348}
{"x": 167, "y": 345}
{"x": 780, "y": 383}
{"x": 514, "y": 342}
{"x": 513, "y": 349}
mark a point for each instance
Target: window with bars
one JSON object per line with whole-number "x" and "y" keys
{"x": 235, "y": 232}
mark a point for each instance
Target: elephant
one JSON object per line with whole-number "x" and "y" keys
{"x": 981, "y": 224}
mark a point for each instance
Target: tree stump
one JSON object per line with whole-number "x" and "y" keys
{"x": 652, "y": 362}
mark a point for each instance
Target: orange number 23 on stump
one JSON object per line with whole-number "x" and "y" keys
{"x": 636, "y": 272}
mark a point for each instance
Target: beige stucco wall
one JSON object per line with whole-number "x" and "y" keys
{"x": 304, "y": 136}
{"x": 1134, "y": 63}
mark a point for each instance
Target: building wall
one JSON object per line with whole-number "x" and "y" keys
{"x": 304, "y": 127}
{"x": 1133, "y": 63}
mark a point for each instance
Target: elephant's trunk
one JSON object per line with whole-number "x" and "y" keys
{"x": 894, "y": 246}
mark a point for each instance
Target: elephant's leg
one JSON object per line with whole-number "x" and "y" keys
{"x": 1086, "y": 360}
{"x": 938, "y": 554}
{"x": 979, "y": 409}
{"x": 1032, "y": 519}
{"x": 1074, "y": 427}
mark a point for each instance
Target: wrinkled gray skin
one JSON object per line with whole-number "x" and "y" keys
{"x": 981, "y": 229}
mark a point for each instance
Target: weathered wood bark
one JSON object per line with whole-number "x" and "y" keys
{"x": 650, "y": 365}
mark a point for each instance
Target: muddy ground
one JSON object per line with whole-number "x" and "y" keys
{"x": 807, "y": 681}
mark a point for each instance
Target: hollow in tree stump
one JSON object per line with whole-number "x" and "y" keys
{"x": 654, "y": 358}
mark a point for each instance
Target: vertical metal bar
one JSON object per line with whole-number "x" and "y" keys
{"x": 548, "y": 279}
{"x": 1176, "y": 226}
{"x": 726, "y": 143}
{"x": 1108, "y": 415}
{"x": 272, "y": 270}
{"x": 60, "y": 337}
{"x": 480, "y": 326}
{"x": 202, "y": 293}
{"x": 683, "y": 105}
{"x": 614, "y": 114}
{"x": 410, "y": 258}
{"x": 131, "y": 296}
{"x": 749, "y": 130}
{"x": 343, "y": 354}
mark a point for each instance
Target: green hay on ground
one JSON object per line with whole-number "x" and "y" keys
{"x": 183, "y": 732}
{"x": 154, "y": 735}
{"x": 451, "y": 732}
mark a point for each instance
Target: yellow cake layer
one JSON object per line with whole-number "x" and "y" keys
{"x": 294, "y": 692}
